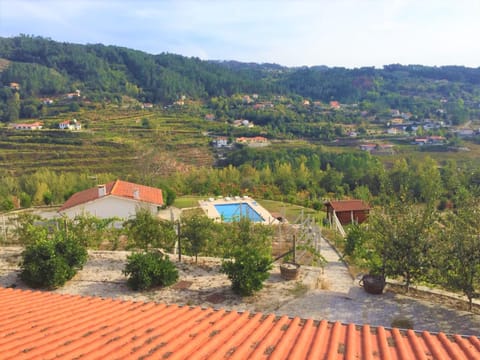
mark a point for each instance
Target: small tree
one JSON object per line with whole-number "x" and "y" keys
{"x": 146, "y": 270}
{"x": 88, "y": 229}
{"x": 247, "y": 271}
{"x": 402, "y": 237}
{"x": 28, "y": 231}
{"x": 196, "y": 230}
{"x": 49, "y": 263}
{"x": 250, "y": 257}
{"x": 458, "y": 251}
{"x": 146, "y": 231}
{"x": 355, "y": 239}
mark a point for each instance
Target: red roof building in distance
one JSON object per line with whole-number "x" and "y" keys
{"x": 348, "y": 211}
{"x": 335, "y": 105}
{"x": 46, "y": 325}
{"x": 116, "y": 198}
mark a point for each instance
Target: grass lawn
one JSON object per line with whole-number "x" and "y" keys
{"x": 187, "y": 201}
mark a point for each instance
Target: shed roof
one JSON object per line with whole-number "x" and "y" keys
{"x": 46, "y": 325}
{"x": 347, "y": 205}
{"x": 119, "y": 188}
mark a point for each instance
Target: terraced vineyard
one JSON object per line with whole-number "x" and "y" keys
{"x": 113, "y": 140}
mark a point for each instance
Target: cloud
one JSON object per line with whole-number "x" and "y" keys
{"x": 303, "y": 32}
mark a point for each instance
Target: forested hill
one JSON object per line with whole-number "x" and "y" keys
{"x": 45, "y": 67}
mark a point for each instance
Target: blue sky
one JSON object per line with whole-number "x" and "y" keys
{"x": 349, "y": 33}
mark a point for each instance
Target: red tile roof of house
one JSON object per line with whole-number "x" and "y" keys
{"x": 44, "y": 325}
{"x": 117, "y": 188}
{"x": 347, "y": 205}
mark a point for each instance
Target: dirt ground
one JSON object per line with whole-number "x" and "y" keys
{"x": 199, "y": 284}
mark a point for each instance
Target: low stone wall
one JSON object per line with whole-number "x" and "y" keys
{"x": 453, "y": 300}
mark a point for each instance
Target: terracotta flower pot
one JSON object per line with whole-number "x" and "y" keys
{"x": 289, "y": 270}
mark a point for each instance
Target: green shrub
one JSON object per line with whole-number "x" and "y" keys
{"x": 50, "y": 263}
{"x": 149, "y": 269}
{"x": 247, "y": 271}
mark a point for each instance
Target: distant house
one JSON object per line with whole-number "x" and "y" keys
{"x": 115, "y": 199}
{"x": 14, "y": 86}
{"x": 147, "y": 106}
{"x": 73, "y": 95}
{"x": 70, "y": 125}
{"x": 394, "y": 131}
{"x": 47, "y": 101}
{"x": 420, "y": 141}
{"x": 210, "y": 117}
{"x": 32, "y": 126}
{"x": 430, "y": 140}
{"x": 368, "y": 147}
{"x": 383, "y": 149}
{"x": 246, "y": 99}
{"x": 436, "y": 140}
{"x": 252, "y": 141}
{"x": 263, "y": 105}
{"x": 220, "y": 142}
{"x": 347, "y": 211}
{"x": 465, "y": 132}
{"x": 334, "y": 105}
{"x": 242, "y": 122}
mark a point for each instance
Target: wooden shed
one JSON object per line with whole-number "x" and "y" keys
{"x": 347, "y": 211}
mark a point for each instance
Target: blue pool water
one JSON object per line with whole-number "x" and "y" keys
{"x": 233, "y": 212}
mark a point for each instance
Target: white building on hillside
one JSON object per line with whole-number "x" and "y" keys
{"x": 115, "y": 199}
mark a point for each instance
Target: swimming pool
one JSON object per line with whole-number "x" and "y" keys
{"x": 233, "y": 212}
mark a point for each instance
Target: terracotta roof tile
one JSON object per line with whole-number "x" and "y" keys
{"x": 119, "y": 188}
{"x": 347, "y": 205}
{"x": 44, "y": 325}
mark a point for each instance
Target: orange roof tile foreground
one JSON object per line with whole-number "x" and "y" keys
{"x": 45, "y": 325}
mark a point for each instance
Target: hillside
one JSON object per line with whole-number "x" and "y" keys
{"x": 44, "y": 67}
{"x": 112, "y": 140}
{"x": 169, "y": 120}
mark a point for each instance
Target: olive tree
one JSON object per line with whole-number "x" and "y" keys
{"x": 196, "y": 230}
{"x": 402, "y": 234}
{"x": 458, "y": 250}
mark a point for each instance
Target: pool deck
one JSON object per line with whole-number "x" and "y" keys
{"x": 208, "y": 207}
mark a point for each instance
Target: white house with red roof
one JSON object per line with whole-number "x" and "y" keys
{"x": 37, "y": 125}
{"x": 115, "y": 199}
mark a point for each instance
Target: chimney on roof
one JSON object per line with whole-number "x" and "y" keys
{"x": 136, "y": 194}
{"x": 102, "y": 190}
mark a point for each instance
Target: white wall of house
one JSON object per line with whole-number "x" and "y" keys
{"x": 110, "y": 206}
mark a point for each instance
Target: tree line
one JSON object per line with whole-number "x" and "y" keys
{"x": 44, "y": 67}
{"x": 304, "y": 176}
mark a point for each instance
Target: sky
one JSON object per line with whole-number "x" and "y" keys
{"x": 346, "y": 33}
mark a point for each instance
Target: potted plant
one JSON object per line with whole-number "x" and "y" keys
{"x": 373, "y": 283}
{"x": 289, "y": 270}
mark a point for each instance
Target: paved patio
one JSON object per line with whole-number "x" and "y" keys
{"x": 347, "y": 302}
